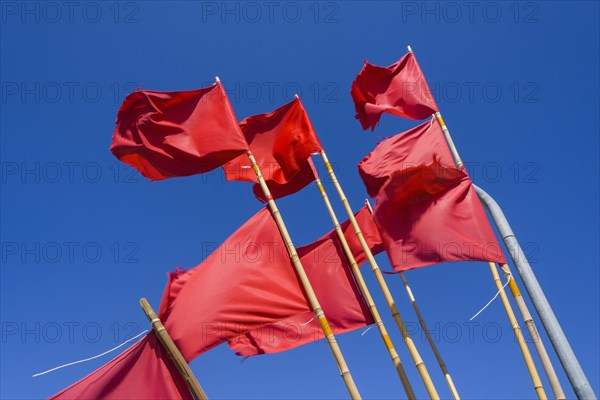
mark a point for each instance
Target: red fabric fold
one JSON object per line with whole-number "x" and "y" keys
{"x": 173, "y": 134}
{"x": 400, "y": 89}
{"x": 144, "y": 371}
{"x": 332, "y": 279}
{"x": 416, "y": 146}
{"x": 281, "y": 142}
{"x": 433, "y": 215}
{"x": 246, "y": 283}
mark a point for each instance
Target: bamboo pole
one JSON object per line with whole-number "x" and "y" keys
{"x": 173, "y": 352}
{"x": 535, "y": 378}
{"x": 367, "y": 294}
{"x": 577, "y": 378}
{"x": 430, "y": 340}
{"x": 310, "y": 294}
{"x": 432, "y": 344}
{"x": 412, "y": 349}
{"x": 459, "y": 164}
{"x": 524, "y": 349}
{"x": 533, "y": 332}
{"x": 533, "y": 372}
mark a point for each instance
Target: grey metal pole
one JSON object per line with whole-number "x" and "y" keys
{"x": 561, "y": 345}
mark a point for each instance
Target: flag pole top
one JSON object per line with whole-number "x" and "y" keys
{"x": 409, "y": 49}
{"x": 296, "y": 95}
{"x": 217, "y": 79}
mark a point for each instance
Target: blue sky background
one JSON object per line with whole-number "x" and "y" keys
{"x": 84, "y": 237}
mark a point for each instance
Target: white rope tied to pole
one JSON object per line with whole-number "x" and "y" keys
{"x": 91, "y": 358}
{"x": 509, "y": 277}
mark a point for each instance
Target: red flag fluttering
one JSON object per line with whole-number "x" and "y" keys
{"x": 416, "y": 146}
{"x": 144, "y": 371}
{"x": 330, "y": 274}
{"x": 427, "y": 211}
{"x": 282, "y": 142}
{"x": 249, "y": 282}
{"x": 172, "y": 134}
{"x": 246, "y": 283}
{"x": 400, "y": 89}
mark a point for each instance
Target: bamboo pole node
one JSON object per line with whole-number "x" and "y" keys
{"x": 174, "y": 354}
{"x": 535, "y": 378}
{"x": 432, "y": 344}
{"x": 366, "y": 294}
{"x": 412, "y": 349}
{"x": 305, "y": 282}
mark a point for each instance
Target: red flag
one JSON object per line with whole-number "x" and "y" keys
{"x": 428, "y": 213}
{"x": 333, "y": 281}
{"x": 400, "y": 89}
{"x": 144, "y": 371}
{"x": 282, "y": 142}
{"x": 246, "y": 283}
{"x": 416, "y": 146}
{"x": 171, "y": 134}
{"x": 369, "y": 231}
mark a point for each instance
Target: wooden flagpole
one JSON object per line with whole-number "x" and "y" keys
{"x": 412, "y": 349}
{"x": 310, "y": 294}
{"x": 533, "y": 332}
{"x": 535, "y": 378}
{"x": 367, "y": 295}
{"x": 430, "y": 340}
{"x": 173, "y": 352}
{"x": 537, "y": 384}
{"x": 531, "y": 366}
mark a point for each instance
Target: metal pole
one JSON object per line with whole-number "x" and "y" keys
{"x": 535, "y": 377}
{"x": 561, "y": 345}
{"x": 537, "y": 340}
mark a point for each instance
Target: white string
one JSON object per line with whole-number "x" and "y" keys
{"x": 430, "y": 123}
{"x": 493, "y": 298}
{"x": 366, "y": 330}
{"x": 91, "y": 358}
{"x": 306, "y": 323}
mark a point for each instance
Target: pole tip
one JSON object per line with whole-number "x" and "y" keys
{"x": 296, "y": 95}
{"x": 409, "y": 49}
{"x": 217, "y": 79}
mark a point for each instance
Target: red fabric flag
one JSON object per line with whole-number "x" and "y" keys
{"x": 370, "y": 233}
{"x": 429, "y": 212}
{"x": 416, "y": 146}
{"x": 246, "y": 283}
{"x": 282, "y": 142}
{"x": 171, "y": 134}
{"x": 144, "y": 371}
{"x": 400, "y": 89}
{"x": 333, "y": 281}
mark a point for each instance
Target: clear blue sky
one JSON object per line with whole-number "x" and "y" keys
{"x": 84, "y": 237}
